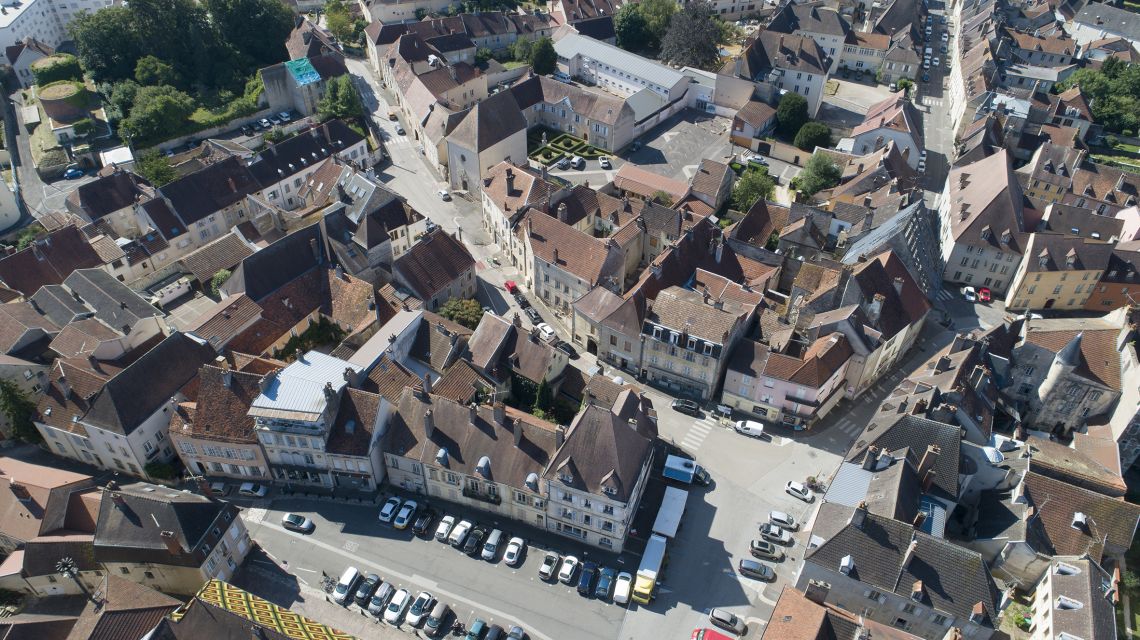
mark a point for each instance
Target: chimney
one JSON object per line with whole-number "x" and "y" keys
{"x": 516, "y": 321}
{"x": 560, "y": 435}
{"x": 517, "y": 427}
{"x": 352, "y": 377}
{"x": 64, "y": 386}
{"x": 227, "y": 376}
{"x": 817, "y": 591}
{"x": 330, "y": 394}
{"x": 563, "y": 214}
{"x": 299, "y": 355}
{"x": 841, "y": 286}
{"x": 919, "y": 519}
{"x": 500, "y": 413}
{"x": 916, "y": 591}
{"x": 510, "y": 180}
{"x": 719, "y": 250}
{"x": 978, "y": 613}
{"x": 554, "y": 260}
{"x": 858, "y": 515}
{"x": 928, "y": 460}
{"x": 898, "y": 286}
{"x": 316, "y": 249}
{"x": 472, "y": 413}
{"x": 171, "y": 541}
{"x": 204, "y": 485}
{"x": 869, "y": 459}
{"x": 20, "y": 491}
{"x": 339, "y": 272}
{"x": 266, "y": 380}
{"x": 875, "y": 308}
{"x": 427, "y": 384}
{"x": 943, "y": 364}
{"x": 429, "y": 424}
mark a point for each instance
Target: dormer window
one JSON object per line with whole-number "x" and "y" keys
{"x": 566, "y": 478}
{"x": 692, "y": 345}
{"x": 1066, "y": 603}
{"x": 1006, "y": 236}
{"x": 1065, "y": 569}
{"x": 609, "y": 491}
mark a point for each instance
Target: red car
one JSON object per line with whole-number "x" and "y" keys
{"x": 708, "y": 634}
{"x": 510, "y": 286}
{"x": 984, "y": 294}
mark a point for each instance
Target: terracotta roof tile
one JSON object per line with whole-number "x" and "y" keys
{"x": 433, "y": 264}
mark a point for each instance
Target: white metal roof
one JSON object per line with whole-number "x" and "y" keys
{"x": 574, "y": 44}
{"x": 299, "y": 387}
{"x": 672, "y": 508}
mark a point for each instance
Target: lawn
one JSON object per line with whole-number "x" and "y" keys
{"x": 559, "y": 145}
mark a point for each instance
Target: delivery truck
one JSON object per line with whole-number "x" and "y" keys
{"x": 645, "y": 584}
{"x": 685, "y": 470}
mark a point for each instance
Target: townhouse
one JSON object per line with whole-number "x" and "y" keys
{"x": 507, "y": 191}
{"x": 826, "y": 26}
{"x": 983, "y": 230}
{"x": 501, "y": 350}
{"x": 893, "y": 120}
{"x": 560, "y": 264}
{"x": 1059, "y": 272}
{"x": 1075, "y": 598}
{"x": 776, "y": 61}
{"x": 437, "y": 269}
{"x": 168, "y": 540}
{"x": 492, "y": 131}
{"x": 21, "y": 55}
{"x": 282, "y": 169}
{"x": 1097, "y": 21}
{"x": 1120, "y": 282}
{"x": 35, "y": 499}
{"x": 601, "y": 119}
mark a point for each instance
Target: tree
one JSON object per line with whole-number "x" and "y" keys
{"x": 791, "y": 114}
{"x": 754, "y": 185}
{"x": 218, "y": 280}
{"x": 465, "y": 311}
{"x": 61, "y": 66}
{"x": 19, "y": 410}
{"x": 160, "y": 470}
{"x": 106, "y": 42}
{"x": 812, "y": 135}
{"x": 773, "y": 242}
{"x": 631, "y": 29}
{"x": 263, "y": 45}
{"x": 905, "y": 85}
{"x": 157, "y": 112}
{"x": 339, "y": 20}
{"x": 155, "y": 167}
{"x": 483, "y": 54}
{"x": 820, "y": 172}
{"x": 150, "y": 71}
{"x": 691, "y": 40}
{"x": 657, "y": 14}
{"x": 542, "y": 56}
{"x": 522, "y": 50}
{"x": 341, "y": 100}
{"x": 122, "y": 97}
{"x": 544, "y": 397}
{"x": 662, "y": 197}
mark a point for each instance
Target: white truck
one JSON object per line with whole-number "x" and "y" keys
{"x": 645, "y": 583}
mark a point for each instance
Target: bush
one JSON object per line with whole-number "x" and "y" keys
{"x": 820, "y": 172}
{"x": 62, "y": 66}
{"x": 791, "y": 114}
{"x": 155, "y": 167}
{"x": 466, "y": 311}
{"x": 812, "y": 135}
{"x": 18, "y": 409}
{"x": 160, "y": 470}
{"x": 218, "y": 280}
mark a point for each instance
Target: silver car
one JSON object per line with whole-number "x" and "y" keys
{"x": 727, "y": 620}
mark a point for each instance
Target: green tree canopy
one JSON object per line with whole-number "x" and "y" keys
{"x": 522, "y": 50}
{"x": 157, "y": 111}
{"x": 341, "y": 100}
{"x": 543, "y": 58}
{"x": 19, "y": 410}
{"x": 812, "y": 135}
{"x": 791, "y": 114}
{"x": 754, "y": 185}
{"x": 1113, "y": 93}
{"x": 107, "y": 43}
{"x": 544, "y": 397}
{"x": 150, "y": 71}
{"x": 692, "y": 37}
{"x": 631, "y": 29}
{"x": 263, "y": 45}
{"x": 465, "y": 311}
{"x": 339, "y": 20}
{"x": 155, "y": 167}
{"x": 657, "y": 14}
{"x": 820, "y": 172}
{"x": 61, "y": 66}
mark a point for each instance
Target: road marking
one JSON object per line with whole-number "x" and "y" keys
{"x": 351, "y": 546}
{"x": 254, "y": 514}
{"x": 383, "y": 570}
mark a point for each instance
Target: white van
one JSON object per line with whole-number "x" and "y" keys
{"x": 578, "y": 162}
{"x": 491, "y": 547}
{"x": 928, "y": 52}
{"x": 561, "y": 76}
{"x": 749, "y": 428}
{"x": 346, "y": 586}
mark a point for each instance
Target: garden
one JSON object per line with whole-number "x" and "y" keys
{"x": 558, "y": 145}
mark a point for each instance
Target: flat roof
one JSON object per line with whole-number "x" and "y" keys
{"x": 672, "y": 509}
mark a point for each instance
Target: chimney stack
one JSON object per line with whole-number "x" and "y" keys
{"x": 64, "y": 386}
{"x": 928, "y": 461}
{"x": 472, "y": 413}
{"x": 563, "y": 214}
{"x": 898, "y": 286}
{"x": 352, "y": 377}
{"x": 500, "y": 413}
{"x": 330, "y": 393}
{"x": 172, "y": 544}
{"x": 817, "y": 591}
{"x": 20, "y": 491}
{"x": 517, "y": 427}
{"x": 560, "y": 435}
{"x": 203, "y": 485}
{"x": 510, "y": 180}
{"x": 427, "y": 384}
{"x": 316, "y": 249}
{"x": 429, "y": 424}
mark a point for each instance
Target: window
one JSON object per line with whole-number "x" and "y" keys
{"x": 124, "y": 570}
{"x": 939, "y": 619}
{"x": 149, "y": 575}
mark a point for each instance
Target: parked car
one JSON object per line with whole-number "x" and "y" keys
{"x": 495, "y": 632}
{"x": 459, "y": 534}
{"x": 444, "y": 529}
{"x": 545, "y": 330}
{"x": 533, "y": 315}
{"x": 687, "y": 407}
{"x": 604, "y": 162}
{"x": 252, "y": 490}
{"x": 605, "y": 583}
{"x": 516, "y": 633}
{"x": 892, "y": 87}
{"x": 985, "y": 295}
{"x": 219, "y": 489}
{"x": 521, "y": 300}
{"x": 380, "y": 599}
{"x": 397, "y": 607}
{"x": 73, "y": 174}
{"x": 969, "y": 294}
{"x": 937, "y": 61}
{"x": 783, "y": 520}
{"x": 798, "y": 490}
{"x": 405, "y": 515}
{"x": 549, "y": 566}
{"x": 757, "y": 159}
{"x": 421, "y": 607}
{"x": 771, "y": 532}
{"x": 422, "y": 524}
{"x": 444, "y": 195}
{"x": 366, "y": 589}
{"x": 474, "y": 542}
{"x": 274, "y": 120}
{"x": 284, "y": 116}
{"x": 264, "y": 123}
{"x": 926, "y": 77}
{"x": 513, "y": 555}
{"x": 749, "y": 428}
{"x": 945, "y": 36}
{"x": 753, "y": 569}
{"x": 586, "y": 580}
{"x": 388, "y": 511}
{"x": 400, "y": 129}
{"x": 476, "y": 630}
{"x": 346, "y": 586}
{"x": 491, "y": 545}
{"x": 578, "y": 162}
{"x": 434, "y": 625}
{"x": 766, "y": 550}
{"x": 296, "y": 522}
{"x": 564, "y": 163}
{"x": 727, "y": 620}
{"x": 247, "y": 130}
{"x": 569, "y": 568}
{"x": 567, "y": 348}
{"x": 622, "y": 587}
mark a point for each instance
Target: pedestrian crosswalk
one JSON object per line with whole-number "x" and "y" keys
{"x": 849, "y": 427}
{"x": 944, "y": 295}
{"x": 697, "y": 434}
{"x": 932, "y": 102}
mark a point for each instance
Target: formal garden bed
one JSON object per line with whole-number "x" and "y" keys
{"x": 559, "y": 145}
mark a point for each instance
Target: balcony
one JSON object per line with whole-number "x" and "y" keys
{"x": 489, "y": 498}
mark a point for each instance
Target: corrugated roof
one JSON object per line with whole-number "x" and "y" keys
{"x": 300, "y": 387}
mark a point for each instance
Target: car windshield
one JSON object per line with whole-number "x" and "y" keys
{"x": 293, "y": 519}
{"x": 395, "y": 606}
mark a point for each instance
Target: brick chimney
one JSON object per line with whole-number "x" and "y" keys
{"x": 429, "y": 424}
{"x": 500, "y": 413}
{"x": 563, "y": 214}
{"x": 517, "y": 427}
{"x": 352, "y": 377}
{"x": 171, "y": 542}
{"x": 510, "y": 180}
{"x": 427, "y": 384}
{"x": 817, "y": 591}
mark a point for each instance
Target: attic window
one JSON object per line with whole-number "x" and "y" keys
{"x": 1066, "y": 569}
{"x": 846, "y": 565}
{"x": 1080, "y": 521}
{"x": 565, "y": 477}
{"x": 609, "y": 490}
{"x": 1066, "y": 603}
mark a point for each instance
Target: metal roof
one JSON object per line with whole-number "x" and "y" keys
{"x": 574, "y": 44}
{"x": 298, "y": 389}
{"x": 849, "y": 488}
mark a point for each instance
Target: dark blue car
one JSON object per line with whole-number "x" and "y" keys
{"x": 605, "y": 583}
{"x": 586, "y": 580}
